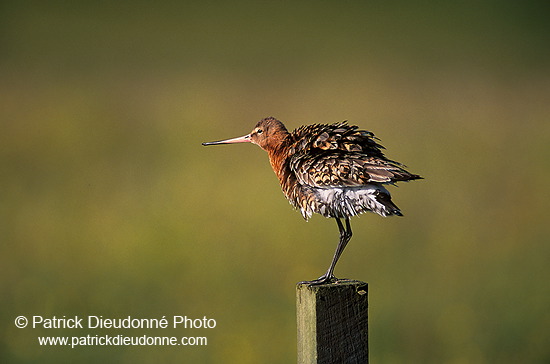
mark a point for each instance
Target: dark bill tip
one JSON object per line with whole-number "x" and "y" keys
{"x": 243, "y": 139}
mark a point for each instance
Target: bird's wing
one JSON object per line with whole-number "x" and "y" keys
{"x": 341, "y": 155}
{"x": 332, "y": 137}
{"x": 337, "y": 169}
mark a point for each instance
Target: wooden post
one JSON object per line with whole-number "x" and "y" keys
{"x": 333, "y": 323}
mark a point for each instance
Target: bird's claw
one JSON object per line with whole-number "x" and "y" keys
{"x": 324, "y": 279}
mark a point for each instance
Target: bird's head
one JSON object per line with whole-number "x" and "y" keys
{"x": 267, "y": 134}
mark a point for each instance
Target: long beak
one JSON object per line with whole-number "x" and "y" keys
{"x": 243, "y": 139}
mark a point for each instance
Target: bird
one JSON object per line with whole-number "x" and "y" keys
{"x": 336, "y": 170}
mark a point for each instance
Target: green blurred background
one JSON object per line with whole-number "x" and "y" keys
{"x": 110, "y": 206}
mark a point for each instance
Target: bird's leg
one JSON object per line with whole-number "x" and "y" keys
{"x": 345, "y": 236}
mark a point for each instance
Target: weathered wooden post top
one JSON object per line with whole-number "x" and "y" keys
{"x": 332, "y": 322}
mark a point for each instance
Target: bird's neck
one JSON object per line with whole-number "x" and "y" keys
{"x": 280, "y": 162}
{"x": 278, "y": 157}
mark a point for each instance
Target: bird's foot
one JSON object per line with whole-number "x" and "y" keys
{"x": 324, "y": 279}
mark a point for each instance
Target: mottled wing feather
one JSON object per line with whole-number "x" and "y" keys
{"x": 338, "y": 136}
{"x": 339, "y": 155}
{"x": 330, "y": 169}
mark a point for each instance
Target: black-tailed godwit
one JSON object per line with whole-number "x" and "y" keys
{"x": 335, "y": 170}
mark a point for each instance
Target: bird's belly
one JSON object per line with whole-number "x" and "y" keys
{"x": 342, "y": 202}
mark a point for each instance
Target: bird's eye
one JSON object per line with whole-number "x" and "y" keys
{"x": 259, "y": 131}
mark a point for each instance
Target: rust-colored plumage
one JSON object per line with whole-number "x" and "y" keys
{"x": 335, "y": 170}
